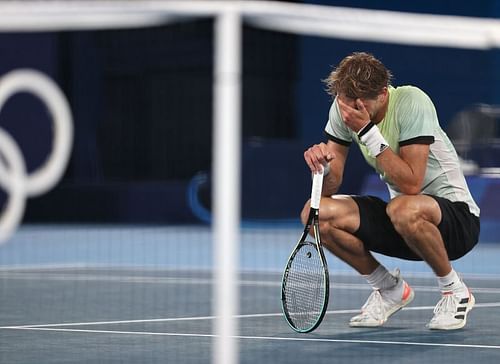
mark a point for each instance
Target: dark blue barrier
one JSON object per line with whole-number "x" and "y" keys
{"x": 275, "y": 184}
{"x": 158, "y": 202}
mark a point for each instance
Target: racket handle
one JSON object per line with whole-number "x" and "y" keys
{"x": 317, "y": 185}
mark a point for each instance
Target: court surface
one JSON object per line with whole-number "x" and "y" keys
{"x": 93, "y": 294}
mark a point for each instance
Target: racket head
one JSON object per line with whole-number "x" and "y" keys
{"x": 305, "y": 287}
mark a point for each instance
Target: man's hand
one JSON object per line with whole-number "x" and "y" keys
{"x": 355, "y": 116}
{"x": 318, "y": 156}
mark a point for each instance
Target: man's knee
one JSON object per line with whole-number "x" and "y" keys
{"x": 340, "y": 212}
{"x": 407, "y": 212}
{"x": 402, "y": 211}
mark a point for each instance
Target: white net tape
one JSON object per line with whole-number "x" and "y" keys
{"x": 319, "y": 20}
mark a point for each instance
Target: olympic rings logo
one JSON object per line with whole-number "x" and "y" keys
{"x": 14, "y": 179}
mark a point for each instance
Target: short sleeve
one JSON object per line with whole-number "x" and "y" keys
{"x": 417, "y": 118}
{"x": 335, "y": 128}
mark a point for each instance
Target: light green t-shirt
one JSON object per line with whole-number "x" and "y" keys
{"x": 411, "y": 119}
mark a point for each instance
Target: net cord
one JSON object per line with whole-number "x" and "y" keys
{"x": 306, "y": 19}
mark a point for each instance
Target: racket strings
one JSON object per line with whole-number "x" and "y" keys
{"x": 305, "y": 288}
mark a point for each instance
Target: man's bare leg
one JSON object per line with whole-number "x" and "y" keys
{"x": 416, "y": 219}
{"x": 339, "y": 219}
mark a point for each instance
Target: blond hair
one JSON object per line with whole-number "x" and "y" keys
{"x": 359, "y": 75}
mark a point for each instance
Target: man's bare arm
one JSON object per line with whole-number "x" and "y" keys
{"x": 406, "y": 170}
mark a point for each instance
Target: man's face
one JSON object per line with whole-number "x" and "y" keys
{"x": 371, "y": 105}
{"x": 375, "y": 106}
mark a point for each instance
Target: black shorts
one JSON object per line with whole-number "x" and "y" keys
{"x": 459, "y": 228}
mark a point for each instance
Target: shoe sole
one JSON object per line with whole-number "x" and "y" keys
{"x": 390, "y": 313}
{"x": 461, "y": 324}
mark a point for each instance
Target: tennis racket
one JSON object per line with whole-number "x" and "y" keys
{"x": 306, "y": 284}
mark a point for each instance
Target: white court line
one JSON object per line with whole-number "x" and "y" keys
{"x": 198, "y": 318}
{"x": 186, "y": 280}
{"x": 196, "y": 281}
{"x": 24, "y": 268}
{"x": 320, "y": 340}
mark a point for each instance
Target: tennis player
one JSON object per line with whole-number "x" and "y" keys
{"x": 431, "y": 215}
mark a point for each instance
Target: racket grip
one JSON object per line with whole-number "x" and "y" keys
{"x": 317, "y": 185}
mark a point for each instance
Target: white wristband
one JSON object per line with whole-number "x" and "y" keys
{"x": 371, "y": 137}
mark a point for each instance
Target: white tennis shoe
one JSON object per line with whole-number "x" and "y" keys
{"x": 378, "y": 308}
{"x": 451, "y": 312}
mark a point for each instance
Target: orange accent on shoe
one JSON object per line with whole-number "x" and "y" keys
{"x": 406, "y": 291}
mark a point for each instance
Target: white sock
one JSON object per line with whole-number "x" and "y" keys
{"x": 388, "y": 285}
{"x": 452, "y": 282}
{"x": 381, "y": 279}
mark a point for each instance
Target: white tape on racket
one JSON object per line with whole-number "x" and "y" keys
{"x": 317, "y": 186}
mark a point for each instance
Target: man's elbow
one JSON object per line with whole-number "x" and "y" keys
{"x": 411, "y": 189}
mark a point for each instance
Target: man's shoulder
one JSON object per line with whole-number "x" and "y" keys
{"x": 408, "y": 91}
{"x": 410, "y": 98}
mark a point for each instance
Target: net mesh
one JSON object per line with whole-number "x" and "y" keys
{"x": 115, "y": 263}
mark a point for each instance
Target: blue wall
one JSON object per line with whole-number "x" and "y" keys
{"x": 23, "y": 115}
{"x": 285, "y": 110}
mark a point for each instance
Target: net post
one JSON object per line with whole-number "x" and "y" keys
{"x": 226, "y": 190}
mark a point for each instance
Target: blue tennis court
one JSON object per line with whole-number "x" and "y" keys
{"x": 85, "y": 294}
